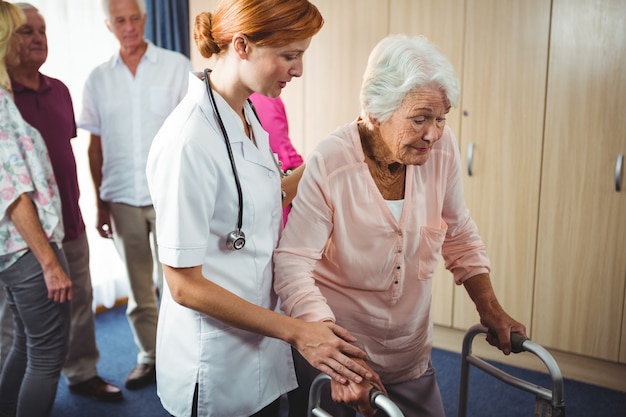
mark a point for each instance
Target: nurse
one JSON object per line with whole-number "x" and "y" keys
{"x": 222, "y": 347}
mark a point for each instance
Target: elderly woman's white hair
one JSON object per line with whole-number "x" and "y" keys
{"x": 107, "y": 13}
{"x": 399, "y": 64}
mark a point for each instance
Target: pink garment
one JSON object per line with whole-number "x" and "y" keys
{"x": 344, "y": 256}
{"x": 271, "y": 112}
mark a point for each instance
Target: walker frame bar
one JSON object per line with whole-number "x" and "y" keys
{"x": 553, "y": 399}
{"x": 377, "y": 400}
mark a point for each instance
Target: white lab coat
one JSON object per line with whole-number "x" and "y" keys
{"x": 196, "y": 203}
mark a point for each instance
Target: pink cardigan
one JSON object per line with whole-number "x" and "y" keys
{"x": 344, "y": 256}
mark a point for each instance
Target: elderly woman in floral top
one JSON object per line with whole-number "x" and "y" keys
{"x": 33, "y": 269}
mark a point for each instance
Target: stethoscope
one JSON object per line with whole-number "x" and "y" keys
{"x": 236, "y": 239}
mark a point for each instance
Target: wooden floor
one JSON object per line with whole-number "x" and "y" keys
{"x": 592, "y": 371}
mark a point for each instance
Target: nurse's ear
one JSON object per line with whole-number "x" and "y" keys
{"x": 241, "y": 45}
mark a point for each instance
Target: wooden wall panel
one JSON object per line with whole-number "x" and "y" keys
{"x": 504, "y": 81}
{"x": 335, "y": 62}
{"x": 581, "y": 257}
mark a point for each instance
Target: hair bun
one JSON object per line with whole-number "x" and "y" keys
{"x": 203, "y": 35}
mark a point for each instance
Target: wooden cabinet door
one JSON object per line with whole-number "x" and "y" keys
{"x": 442, "y": 22}
{"x": 581, "y": 254}
{"x": 622, "y": 350}
{"x": 333, "y": 68}
{"x": 503, "y": 95}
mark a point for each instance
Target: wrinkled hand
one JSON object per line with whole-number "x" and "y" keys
{"x": 104, "y": 221}
{"x": 58, "y": 284}
{"x": 327, "y": 347}
{"x": 357, "y": 395}
{"x": 501, "y": 326}
{"x": 354, "y": 395}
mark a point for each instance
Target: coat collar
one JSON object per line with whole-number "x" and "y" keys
{"x": 260, "y": 154}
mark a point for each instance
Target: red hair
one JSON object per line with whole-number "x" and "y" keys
{"x": 272, "y": 23}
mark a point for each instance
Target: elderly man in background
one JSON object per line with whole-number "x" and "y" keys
{"x": 45, "y": 103}
{"x": 125, "y": 101}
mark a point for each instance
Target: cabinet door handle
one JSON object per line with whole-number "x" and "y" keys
{"x": 618, "y": 172}
{"x": 470, "y": 157}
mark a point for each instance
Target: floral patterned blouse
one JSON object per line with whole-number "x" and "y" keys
{"x": 24, "y": 168}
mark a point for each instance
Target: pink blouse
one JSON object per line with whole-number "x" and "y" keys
{"x": 344, "y": 256}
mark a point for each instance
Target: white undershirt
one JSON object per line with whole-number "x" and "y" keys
{"x": 396, "y": 207}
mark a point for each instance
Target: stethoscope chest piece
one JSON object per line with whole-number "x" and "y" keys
{"x": 236, "y": 240}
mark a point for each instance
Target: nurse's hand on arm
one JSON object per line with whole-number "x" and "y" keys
{"x": 324, "y": 345}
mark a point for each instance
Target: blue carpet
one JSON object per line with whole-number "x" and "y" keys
{"x": 487, "y": 396}
{"x": 118, "y": 355}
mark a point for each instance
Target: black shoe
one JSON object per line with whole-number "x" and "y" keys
{"x": 141, "y": 376}
{"x": 98, "y": 389}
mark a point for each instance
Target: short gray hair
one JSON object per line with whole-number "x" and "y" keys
{"x": 399, "y": 64}
{"x": 107, "y": 12}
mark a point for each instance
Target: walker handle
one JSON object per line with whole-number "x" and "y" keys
{"x": 517, "y": 341}
{"x": 380, "y": 402}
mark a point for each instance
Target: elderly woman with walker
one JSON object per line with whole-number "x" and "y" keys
{"x": 380, "y": 201}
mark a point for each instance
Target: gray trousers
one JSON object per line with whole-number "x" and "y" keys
{"x": 6, "y": 328}
{"x": 133, "y": 229}
{"x": 83, "y": 354}
{"x": 415, "y": 398}
{"x": 30, "y": 376}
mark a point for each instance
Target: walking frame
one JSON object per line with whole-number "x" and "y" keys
{"x": 548, "y": 403}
